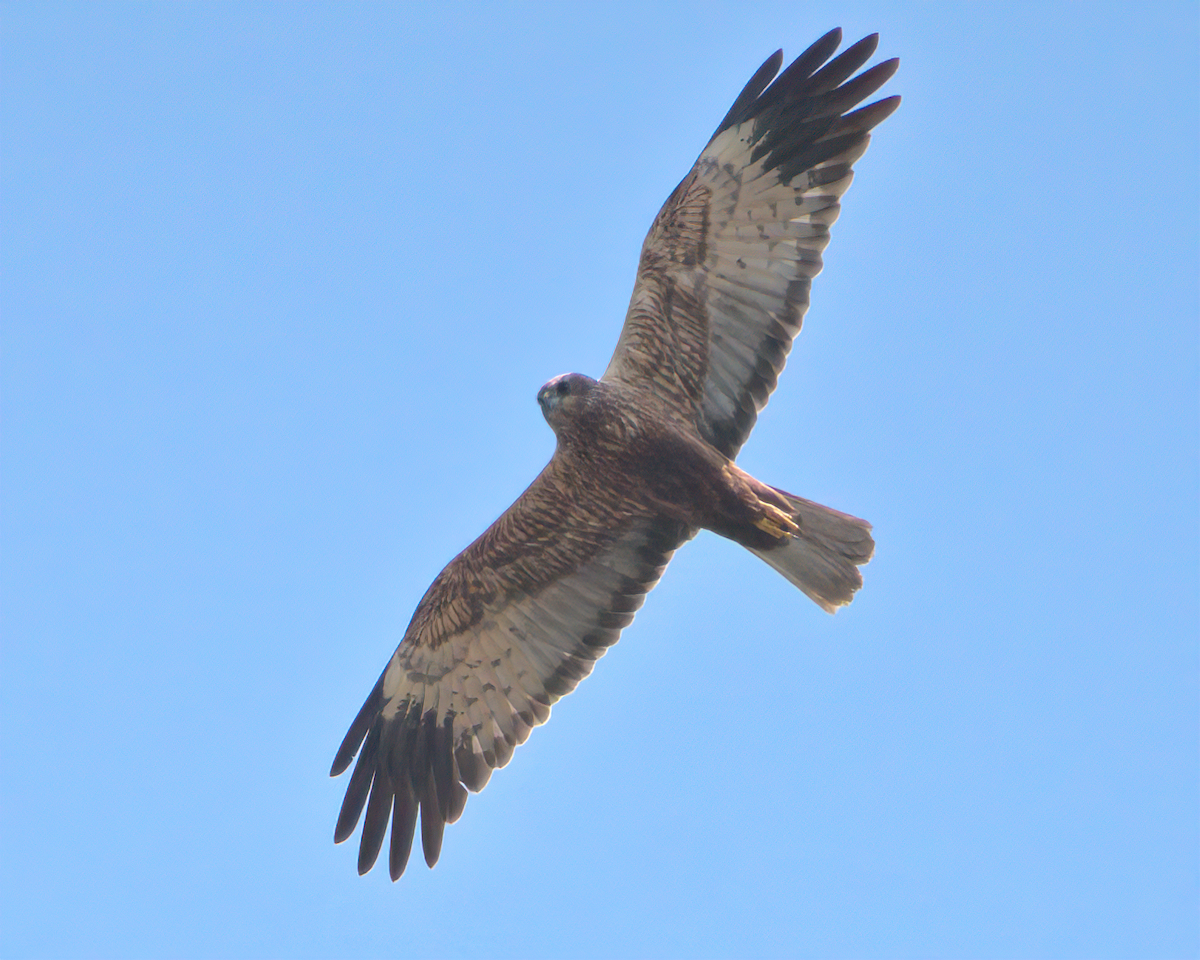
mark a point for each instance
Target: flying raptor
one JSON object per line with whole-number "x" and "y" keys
{"x": 644, "y": 460}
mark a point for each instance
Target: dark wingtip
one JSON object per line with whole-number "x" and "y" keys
{"x": 342, "y": 832}
{"x": 375, "y": 821}
{"x": 358, "y": 729}
{"x": 845, "y": 63}
{"x": 404, "y": 820}
{"x": 432, "y": 853}
{"x": 819, "y": 52}
{"x": 432, "y": 824}
{"x": 886, "y": 107}
{"x": 866, "y": 118}
{"x": 756, "y": 85}
{"x": 346, "y": 752}
{"x": 862, "y": 50}
{"x": 357, "y": 790}
{"x": 889, "y": 66}
{"x": 346, "y": 822}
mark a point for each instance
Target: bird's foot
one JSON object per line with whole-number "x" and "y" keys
{"x": 777, "y": 523}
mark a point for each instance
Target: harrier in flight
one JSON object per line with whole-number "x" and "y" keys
{"x": 644, "y": 460}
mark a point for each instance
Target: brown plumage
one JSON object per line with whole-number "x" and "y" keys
{"x": 644, "y": 460}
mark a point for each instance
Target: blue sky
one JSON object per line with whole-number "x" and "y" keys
{"x": 280, "y": 283}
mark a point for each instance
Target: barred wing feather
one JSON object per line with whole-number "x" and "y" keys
{"x": 725, "y": 271}
{"x": 510, "y": 626}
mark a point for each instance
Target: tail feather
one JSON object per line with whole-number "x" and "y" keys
{"x": 823, "y": 558}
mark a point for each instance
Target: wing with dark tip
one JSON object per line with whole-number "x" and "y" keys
{"x": 510, "y": 626}
{"x": 725, "y": 271}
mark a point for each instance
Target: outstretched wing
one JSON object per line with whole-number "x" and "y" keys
{"x": 510, "y": 626}
{"x": 725, "y": 271}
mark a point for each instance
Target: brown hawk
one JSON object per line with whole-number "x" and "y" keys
{"x": 644, "y": 460}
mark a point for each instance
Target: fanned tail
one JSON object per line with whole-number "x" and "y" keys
{"x": 823, "y": 558}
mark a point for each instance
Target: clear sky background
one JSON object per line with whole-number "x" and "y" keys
{"x": 280, "y": 283}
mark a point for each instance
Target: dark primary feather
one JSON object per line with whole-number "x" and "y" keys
{"x": 756, "y": 85}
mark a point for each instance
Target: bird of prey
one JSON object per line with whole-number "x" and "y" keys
{"x": 644, "y": 460}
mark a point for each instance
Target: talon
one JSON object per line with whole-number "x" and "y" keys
{"x": 777, "y": 523}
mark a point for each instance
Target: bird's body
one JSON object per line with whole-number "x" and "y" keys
{"x": 620, "y": 440}
{"x": 644, "y": 460}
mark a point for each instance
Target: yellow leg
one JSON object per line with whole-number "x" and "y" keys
{"x": 775, "y": 522}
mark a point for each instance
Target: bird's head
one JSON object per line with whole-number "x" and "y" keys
{"x": 563, "y": 398}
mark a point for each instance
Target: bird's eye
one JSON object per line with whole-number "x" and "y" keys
{"x": 563, "y": 388}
